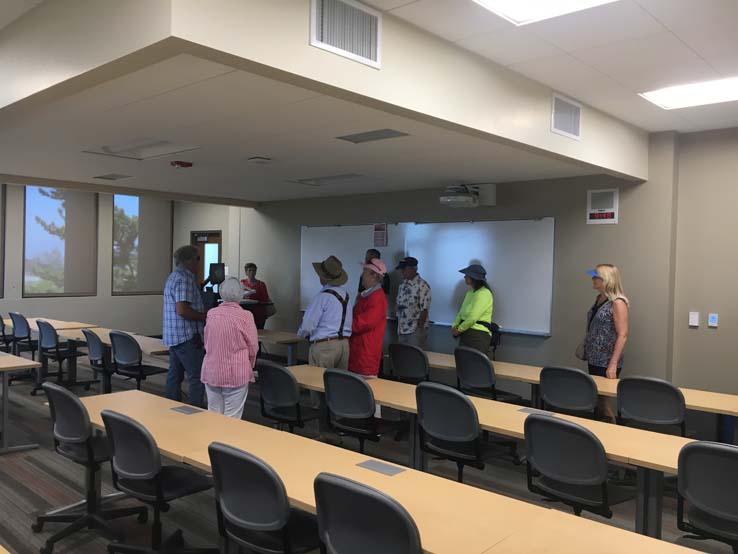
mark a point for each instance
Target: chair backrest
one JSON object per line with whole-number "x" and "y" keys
{"x": 21, "y": 329}
{"x": 473, "y": 368}
{"x": 445, "y": 413}
{"x": 134, "y": 451}
{"x": 347, "y": 395}
{"x": 248, "y": 491}
{"x": 2, "y": 328}
{"x": 707, "y": 478}
{"x": 650, "y": 400}
{"x": 278, "y": 387}
{"x": 126, "y": 351}
{"x": 95, "y": 348}
{"x": 564, "y": 451}
{"x": 568, "y": 390}
{"x": 409, "y": 362}
{"x": 356, "y": 519}
{"x": 71, "y": 422}
{"x": 47, "y": 336}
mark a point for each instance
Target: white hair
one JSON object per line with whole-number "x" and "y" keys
{"x": 231, "y": 290}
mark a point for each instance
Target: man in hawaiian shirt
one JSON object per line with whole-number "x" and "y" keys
{"x": 413, "y": 303}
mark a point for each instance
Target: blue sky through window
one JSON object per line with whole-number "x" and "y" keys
{"x": 38, "y": 240}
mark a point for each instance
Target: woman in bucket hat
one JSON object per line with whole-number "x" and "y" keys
{"x": 473, "y": 323}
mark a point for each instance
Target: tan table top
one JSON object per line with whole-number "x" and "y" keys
{"x": 55, "y": 323}
{"x": 149, "y": 345}
{"x": 561, "y": 533}
{"x": 452, "y": 518}
{"x": 703, "y": 401}
{"x": 8, "y": 362}
{"x": 622, "y": 444}
{"x": 279, "y": 337}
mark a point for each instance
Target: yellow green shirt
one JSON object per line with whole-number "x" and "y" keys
{"x": 477, "y": 306}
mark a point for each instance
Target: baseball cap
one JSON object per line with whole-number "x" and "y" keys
{"x": 407, "y": 261}
{"x": 377, "y": 266}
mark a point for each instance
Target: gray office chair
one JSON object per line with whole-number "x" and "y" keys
{"x": 5, "y": 339}
{"x": 280, "y": 396}
{"x": 568, "y": 391}
{"x": 97, "y": 358}
{"x": 350, "y": 407}
{"x": 707, "y": 484}
{"x": 252, "y": 505}
{"x": 571, "y": 465}
{"x": 127, "y": 359}
{"x": 409, "y": 363}
{"x": 22, "y": 341}
{"x": 50, "y": 349}
{"x": 356, "y": 519}
{"x": 75, "y": 440}
{"x": 448, "y": 426}
{"x": 651, "y": 403}
{"x": 137, "y": 471}
{"x": 475, "y": 375}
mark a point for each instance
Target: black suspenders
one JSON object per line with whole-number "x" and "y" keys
{"x": 344, "y": 305}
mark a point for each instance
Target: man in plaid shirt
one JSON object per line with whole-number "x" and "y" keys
{"x": 184, "y": 316}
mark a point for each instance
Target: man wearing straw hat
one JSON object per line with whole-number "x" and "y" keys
{"x": 327, "y": 320}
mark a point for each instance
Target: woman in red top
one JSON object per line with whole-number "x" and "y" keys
{"x": 369, "y": 322}
{"x": 251, "y": 283}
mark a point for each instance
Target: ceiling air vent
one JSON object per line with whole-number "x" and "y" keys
{"x": 327, "y": 180}
{"x": 347, "y": 28}
{"x": 112, "y": 176}
{"x": 369, "y": 136}
{"x": 566, "y": 117}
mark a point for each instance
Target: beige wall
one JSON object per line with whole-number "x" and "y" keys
{"x": 707, "y": 261}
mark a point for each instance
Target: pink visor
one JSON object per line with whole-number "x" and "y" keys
{"x": 377, "y": 266}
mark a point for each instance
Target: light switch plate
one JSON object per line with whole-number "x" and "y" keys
{"x": 712, "y": 320}
{"x": 694, "y": 319}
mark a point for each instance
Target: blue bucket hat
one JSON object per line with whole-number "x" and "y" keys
{"x": 593, "y": 273}
{"x": 475, "y": 271}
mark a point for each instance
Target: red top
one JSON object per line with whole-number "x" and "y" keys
{"x": 231, "y": 345}
{"x": 367, "y": 333}
{"x": 262, "y": 295}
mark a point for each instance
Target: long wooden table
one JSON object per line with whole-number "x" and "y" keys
{"x": 57, "y": 324}
{"x": 8, "y": 364}
{"x": 724, "y": 405}
{"x": 452, "y": 518}
{"x": 653, "y": 454}
{"x": 282, "y": 338}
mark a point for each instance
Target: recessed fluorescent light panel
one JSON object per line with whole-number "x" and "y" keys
{"x": 695, "y": 94}
{"x": 144, "y": 149}
{"x": 523, "y": 12}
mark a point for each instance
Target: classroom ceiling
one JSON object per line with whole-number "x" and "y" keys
{"x": 231, "y": 115}
{"x": 10, "y": 10}
{"x": 606, "y": 55}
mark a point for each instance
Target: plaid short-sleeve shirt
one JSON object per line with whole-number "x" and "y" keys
{"x": 181, "y": 287}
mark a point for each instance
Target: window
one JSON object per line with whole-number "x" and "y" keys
{"x": 142, "y": 244}
{"x": 2, "y": 240}
{"x": 60, "y": 242}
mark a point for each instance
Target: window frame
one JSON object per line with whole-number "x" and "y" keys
{"x": 3, "y": 235}
{"x": 112, "y": 250}
{"x": 96, "y": 256}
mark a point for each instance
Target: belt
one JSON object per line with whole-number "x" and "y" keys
{"x": 326, "y": 340}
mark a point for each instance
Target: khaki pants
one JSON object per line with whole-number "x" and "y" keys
{"x": 331, "y": 354}
{"x": 419, "y": 338}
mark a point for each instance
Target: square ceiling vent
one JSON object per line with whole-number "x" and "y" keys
{"x": 144, "y": 149}
{"x": 340, "y": 179}
{"x": 112, "y": 177}
{"x": 371, "y": 136}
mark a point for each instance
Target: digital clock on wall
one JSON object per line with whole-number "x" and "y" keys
{"x": 602, "y": 207}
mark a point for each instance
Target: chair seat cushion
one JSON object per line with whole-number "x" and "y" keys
{"x": 145, "y": 370}
{"x": 289, "y": 413}
{"x": 453, "y": 450}
{"x": 78, "y": 452}
{"x": 302, "y": 529}
{"x": 64, "y": 354}
{"x": 176, "y": 482}
{"x": 369, "y": 427}
{"x": 588, "y": 495}
{"x": 712, "y": 524}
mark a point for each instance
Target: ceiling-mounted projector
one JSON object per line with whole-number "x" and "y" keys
{"x": 460, "y": 196}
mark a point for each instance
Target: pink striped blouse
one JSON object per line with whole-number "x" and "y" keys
{"x": 231, "y": 344}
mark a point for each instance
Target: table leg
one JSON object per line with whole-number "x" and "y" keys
{"x": 4, "y": 448}
{"x": 417, "y": 460}
{"x": 72, "y": 363}
{"x": 291, "y": 354}
{"x": 726, "y": 428}
{"x": 107, "y": 372}
{"x": 649, "y": 502}
{"x": 535, "y": 395}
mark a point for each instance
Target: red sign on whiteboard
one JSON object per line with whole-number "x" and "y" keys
{"x": 380, "y": 235}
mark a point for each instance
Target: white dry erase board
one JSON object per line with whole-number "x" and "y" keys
{"x": 518, "y": 256}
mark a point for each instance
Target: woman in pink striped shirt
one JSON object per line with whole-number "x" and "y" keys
{"x": 231, "y": 344}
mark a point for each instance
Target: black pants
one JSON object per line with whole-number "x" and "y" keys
{"x": 479, "y": 340}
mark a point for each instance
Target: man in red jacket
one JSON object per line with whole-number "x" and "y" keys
{"x": 369, "y": 322}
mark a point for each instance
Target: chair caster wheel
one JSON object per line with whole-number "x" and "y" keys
{"x": 143, "y": 517}
{"x": 37, "y": 527}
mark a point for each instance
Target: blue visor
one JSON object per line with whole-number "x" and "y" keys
{"x": 593, "y": 273}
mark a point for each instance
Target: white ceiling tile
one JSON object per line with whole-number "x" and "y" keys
{"x": 385, "y": 5}
{"x": 648, "y": 63}
{"x": 614, "y": 22}
{"x": 10, "y": 10}
{"x": 715, "y": 116}
{"x": 451, "y": 19}
{"x": 509, "y": 46}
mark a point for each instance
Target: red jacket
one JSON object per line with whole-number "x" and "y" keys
{"x": 367, "y": 333}
{"x": 262, "y": 295}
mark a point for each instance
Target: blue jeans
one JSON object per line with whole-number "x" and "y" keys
{"x": 186, "y": 359}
